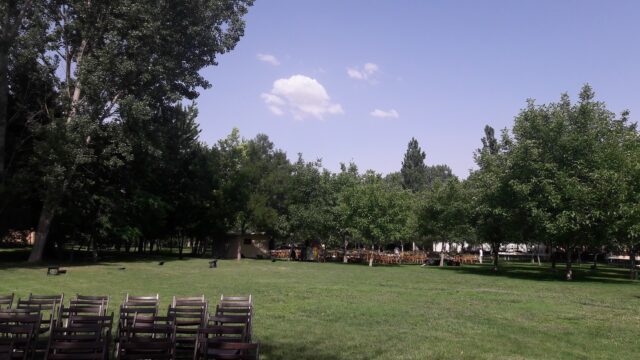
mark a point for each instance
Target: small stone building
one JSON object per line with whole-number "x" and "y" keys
{"x": 252, "y": 245}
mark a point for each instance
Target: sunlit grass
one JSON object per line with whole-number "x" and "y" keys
{"x": 336, "y": 311}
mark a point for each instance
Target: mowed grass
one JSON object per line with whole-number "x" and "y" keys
{"x": 336, "y": 311}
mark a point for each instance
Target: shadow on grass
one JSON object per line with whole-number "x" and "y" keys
{"x": 604, "y": 274}
{"x": 289, "y": 350}
{"x": 17, "y": 258}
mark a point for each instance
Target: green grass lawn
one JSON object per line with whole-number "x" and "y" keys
{"x": 336, "y": 311}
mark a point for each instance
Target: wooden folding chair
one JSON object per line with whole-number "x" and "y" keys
{"x": 146, "y": 338}
{"x": 188, "y": 315}
{"x": 19, "y": 332}
{"x": 6, "y": 301}
{"x": 77, "y": 342}
{"x": 92, "y": 300}
{"x": 74, "y": 310}
{"x": 242, "y": 321}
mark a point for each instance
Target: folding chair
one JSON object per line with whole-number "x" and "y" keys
{"x": 147, "y": 338}
{"x": 189, "y": 314}
{"x": 78, "y": 342}
{"x": 6, "y": 301}
{"x": 18, "y": 333}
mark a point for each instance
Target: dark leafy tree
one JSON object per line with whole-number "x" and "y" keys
{"x": 120, "y": 56}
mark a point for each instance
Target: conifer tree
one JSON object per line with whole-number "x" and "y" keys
{"x": 414, "y": 171}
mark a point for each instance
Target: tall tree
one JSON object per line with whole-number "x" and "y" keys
{"x": 493, "y": 199}
{"x": 414, "y": 170}
{"x": 567, "y": 167}
{"x": 126, "y": 54}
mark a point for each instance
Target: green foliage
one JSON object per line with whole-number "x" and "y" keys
{"x": 414, "y": 170}
{"x": 445, "y": 213}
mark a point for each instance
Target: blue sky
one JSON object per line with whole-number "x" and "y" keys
{"x": 313, "y": 75}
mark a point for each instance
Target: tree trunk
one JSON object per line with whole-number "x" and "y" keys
{"x": 47, "y": 213}
{"x": 553, "y": 259}
{"x": 180, "y": 247}
{"x": 579, "y": 259}
{"x": 42, "y": 232}
{"x": 344, "y": 257}
{"x": 495, "y": 250}
{"x": 633, "y": 272}
{"x": 595, "y": 261}
{"x": 94, "y": 250}
{"x": 538, "y": 254}
{"x": 569, "y": 272}
{"x": 239, "y": 253}
{"x": 371, "y": 256}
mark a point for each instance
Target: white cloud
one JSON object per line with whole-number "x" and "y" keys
{"x": 364, "y": 73}
{"x": 268, "y": 58}
{"x": 370, "y": 68}
{"x": 385, "y": 114}
{"x": 301, "y": 96}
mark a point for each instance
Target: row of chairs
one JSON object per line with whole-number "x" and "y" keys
{"x": 83, "y": 330}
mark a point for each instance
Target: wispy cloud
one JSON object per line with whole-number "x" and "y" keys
{"x": 269, "y": 59}
{"x": 393, "y": 114}
{"x": 364, "y": 73}
{"x": 300, "y": 96}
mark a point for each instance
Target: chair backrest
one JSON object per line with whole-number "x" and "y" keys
{"x": 243, "y": 321}
{"x": 222, "y": 311}
{"x": 129, "y": 313}
{"x": 6, "y": 301}
{"x": 153, "y": 300}
{"x": 222, "y": 333}
{"x": 236, "y": 301}
{"x": 79, "y": 342}
{"x": 25, "y": 311}
{"x": 41, "y": 305}
{"x": 105, "y": 322}
{"x": 74, "y": 310}
{"x": 58, "y": 298}
{"x": 92, "y": 300}
{"x": 191, "y": 316}
{"x": 213, "y": 333}
{"x": 225, "y": 310}
{"x": 187, "y": 300}
{"x": 147, "y": 337}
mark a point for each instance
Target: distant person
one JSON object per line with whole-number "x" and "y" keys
{"x": 293, "y": 253}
